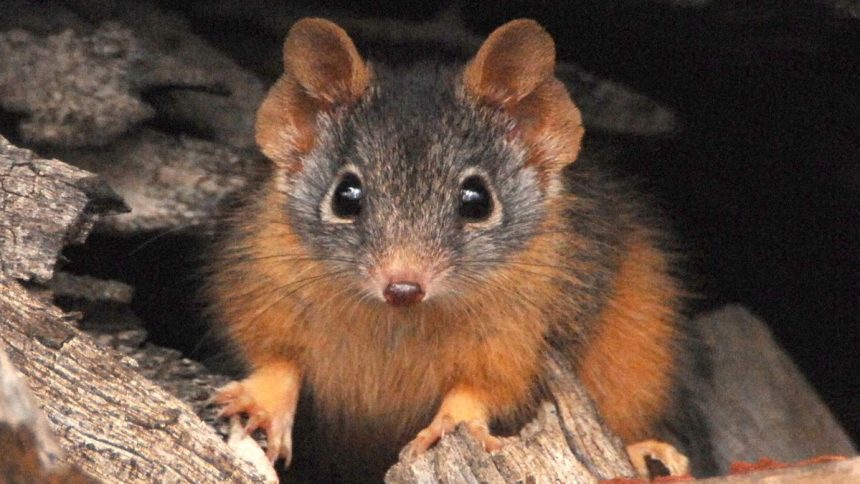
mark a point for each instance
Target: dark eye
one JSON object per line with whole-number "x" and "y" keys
{"x": 476, "y": 204}
{"x": 346, "y": 200}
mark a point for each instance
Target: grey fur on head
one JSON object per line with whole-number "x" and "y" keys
{"x": 412, "y": 139}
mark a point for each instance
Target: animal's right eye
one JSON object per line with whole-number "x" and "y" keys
{"x": 476, "y": 203}
{"x": 346, "y": 201}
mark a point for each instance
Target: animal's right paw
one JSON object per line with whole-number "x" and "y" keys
{"x": 276, "y": 421}
{"x": 268, "y": 397}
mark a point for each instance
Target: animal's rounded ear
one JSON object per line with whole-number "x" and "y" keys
{"x": 322, "y": 70}
{"x": 323, "y": 59}
{"x": 515, "y": 59}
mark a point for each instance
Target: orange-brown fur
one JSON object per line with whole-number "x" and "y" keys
{"x": 486, "y": 342}
{"x": 628, "y": 363}
{"x": 399, "y": 364}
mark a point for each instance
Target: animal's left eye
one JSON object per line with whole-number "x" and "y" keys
{"x": 347, "y": 198}
{"x": 476, "y": 203}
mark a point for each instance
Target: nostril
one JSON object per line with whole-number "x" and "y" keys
{"x": 403, "y": 293}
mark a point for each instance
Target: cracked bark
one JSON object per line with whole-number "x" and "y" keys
{"x": 45, "y": 205}
{"x": 112, "y": 423}
{"x": 31, "y": 454}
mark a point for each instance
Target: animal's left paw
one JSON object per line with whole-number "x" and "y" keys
{"x": 442, "y": 425}
{"x": 668, "y": 459}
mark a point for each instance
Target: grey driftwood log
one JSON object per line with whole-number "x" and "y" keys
{"x": 567, "y": 442}
{"x": 170, "y": 183}
{"x": 31, "y": 454}
{"x": 757, "y": 405}
{"x": 45, "y": 205}
{"x": 113, "y": 423}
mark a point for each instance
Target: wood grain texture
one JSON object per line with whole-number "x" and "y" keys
{"x": 567, "y": 442}
{"x": 112, "y": 423}
{"x": 757, "y": 403}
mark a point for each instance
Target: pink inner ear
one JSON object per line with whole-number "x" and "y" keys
{"x": 515, "y": 59}
{"x": 514, "y": 70}
{"x": 322, "y": 69}
{"x": 323, "y": 59}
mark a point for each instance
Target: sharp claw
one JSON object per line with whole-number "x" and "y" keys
{"x": 481, "y": 432}
{"x": 231, "y": 408}
{"x": 255, "y": 421}
{"x": 228, "y": 392}
{"x": 273, "y": 450}
{"x": 286, "y": 446}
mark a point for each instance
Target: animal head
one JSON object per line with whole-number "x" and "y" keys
{"x": 420, "y": 180}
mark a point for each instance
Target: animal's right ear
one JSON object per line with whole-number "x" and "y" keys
{"x": 322, "y": 70}
{"x": 514, "y": 71}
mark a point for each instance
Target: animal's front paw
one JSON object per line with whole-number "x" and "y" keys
{"x": 644, "y": 454}
{"x": 268, "y": 397}
{"x": 461, "y": 404}
{"x": 442, "y": 425}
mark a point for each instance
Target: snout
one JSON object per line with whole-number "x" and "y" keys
{"x": 403, "y": 293}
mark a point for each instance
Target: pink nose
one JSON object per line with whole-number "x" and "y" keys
{"x": 403, "y": 293}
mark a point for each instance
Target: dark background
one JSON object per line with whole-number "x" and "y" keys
{"x": 761, "y": 180}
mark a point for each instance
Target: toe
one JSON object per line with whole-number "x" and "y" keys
{"x": 481, "y": 432}
{"x": 228, "y": 392}
{"x": 257, "y": 419}
{"x": 427, "y": 437}
{"x": 420, "y": 444}
{"x": 279, "y": 436}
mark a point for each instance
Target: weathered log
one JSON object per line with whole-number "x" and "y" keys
{"x": 113, "y": 423}
{"x": 30, "y": 452}
{"x": 842, "y": 472}
{"x": 226, "y": 107}
{"x": 169, "y": 183}
{"x": 757, "y": 404}
{"x": 567, "y": 442}
{"x": 98, "y": 84}
{"x": 44, "y": 205}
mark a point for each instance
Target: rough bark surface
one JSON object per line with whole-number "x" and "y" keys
{"x": 30, "y": 452}
{"x": 96, "y": 81}
{"x": 757, "y": 403}
{"x": 567, "y": 442}
{"x": 168, "y": 182}
{"x": 45, "y": 205}
{"x": 85, "y": 95}
{"x": 113, "y": 423}
{"x": 843, "y": 472}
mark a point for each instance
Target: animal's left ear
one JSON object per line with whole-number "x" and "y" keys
{"x": 514, "y": 71}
